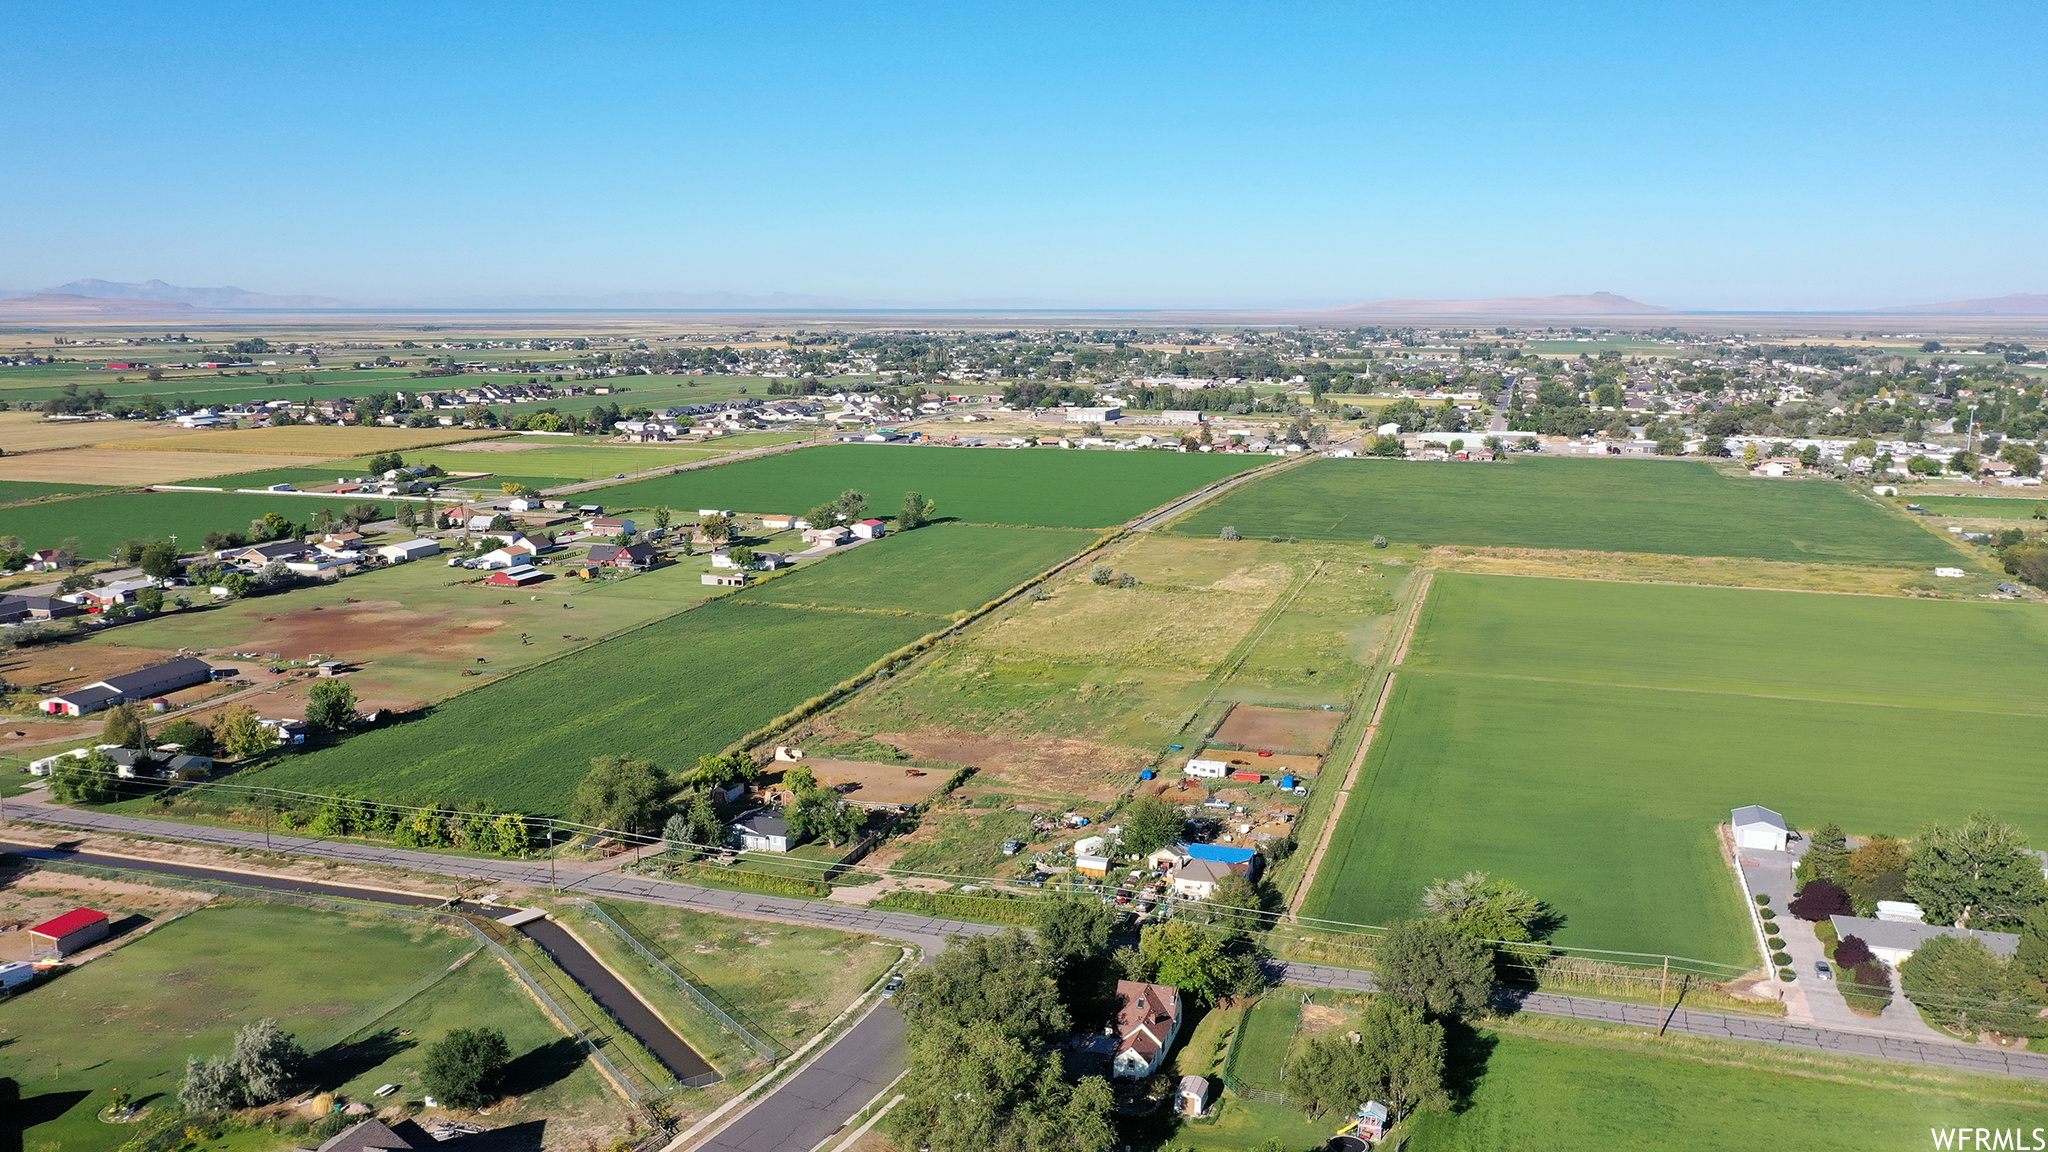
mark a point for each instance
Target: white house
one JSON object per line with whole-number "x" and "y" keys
{"x": 870, "y": 529}
{"x": 1759, "y": 828}
{"x": 408, "y": 550}
{"x": 762, "y": 830}
{"x": 1147, "y": 1022}
{"x": 1894, "y": 942}
{"x": 1213, "y": 769}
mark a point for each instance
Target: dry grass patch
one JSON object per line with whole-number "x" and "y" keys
{"x": 32, "y": 432}
{"x": 125, "y": 466}
{"x": 1713, "y": 571}
{"x": 308, "y": 440}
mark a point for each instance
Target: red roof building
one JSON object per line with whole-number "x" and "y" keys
{"x": 76, "y": 929}
{"x": 1147, "y": 1020}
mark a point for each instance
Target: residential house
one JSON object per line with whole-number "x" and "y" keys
{"x": 1147, "y": 1022}
{"x": 634, "y": 556}
{"x": 778, "y": 522}
{"x": 339, "y": 543}
{"x": 405, "y": 550}
{"x": 108, "y": 595}
{"x": 761, "y": 830}
{"x": 14, "y": 609}
{"x": 1758, "y": 828}
{"x": 833, "y": 535}
{"x": 870, "y": 530}
{"x": 155, "y": 680}
{"x": 1197, "y": 879}
{"x": 130, "y": 764}
{"x": 256, "y": 556}
{"x": 48, "y": 560}
{"x": 1893, "y": 941}
{"x": 609, "y": 525}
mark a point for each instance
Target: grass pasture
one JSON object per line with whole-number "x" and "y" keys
{"x": 1673, "y": 507}
{"x": 522, "y": 461}
{"x": 104, "y": 521}
{"x": 23, "y": 491}
{"x": 939, "y": 570}
{"x": 1546, "y": 1085}
{"x": 1980, "y": 507}
{"x": 1584, "y": 738}
{"x": 129, "y": 1019}
{"x": 671, "y": 691}
{"x": 1043, "y": 488}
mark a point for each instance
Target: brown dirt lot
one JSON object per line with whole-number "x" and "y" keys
{"x": 29, "y": 896}
{"x": 875, "y": 783}
{"x": 1279, "y": 763}
{"x": 1261, "y": 728}
{"x": 1046, "y": 767}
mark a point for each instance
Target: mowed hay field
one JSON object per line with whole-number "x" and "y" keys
{"x": 103, "y": 522}
{"x": 129, "y": 466}
{"x": 1982, "y": 507}
{"x": 940, "y": 569}
{"x": 1677, "y": 507}
{"x": 305, "y": 439}
{"x": 22, "y": 491}
{"x": 1584, "y": 738}
{"x": 1038, "y": 487}
{"x": 670, "y": 692}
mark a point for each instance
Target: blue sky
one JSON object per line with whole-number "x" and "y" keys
{"x": 1175, "y": 155}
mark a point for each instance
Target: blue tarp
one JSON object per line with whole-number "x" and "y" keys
{"x": 1221, "y": 853}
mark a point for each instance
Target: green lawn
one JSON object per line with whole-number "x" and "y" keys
{"x": 130, "y": 1019}
{"x": 1672, "y": 507}
{"x": 670, "y": 692}
{"x": 1982, "y": 507}
{"x": 1264, "y": 1040}
{"x": 1583, "y": 738}
{"x": 940, "y": 569}
{"x": 101, "y": 523}
{"x": 1047, "y": 488}
{"x": 21, "y": 491}
{"x": 1540, "y": 1096}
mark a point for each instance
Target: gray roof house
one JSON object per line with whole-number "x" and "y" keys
{"x": 1757, "y": 827}
{"x": 762, "y": 830}
{"x": 1892, "y": 941}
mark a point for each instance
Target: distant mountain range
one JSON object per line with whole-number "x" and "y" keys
{"x": 2017, "y": 304}
{"x": 1595, "y": 304}
{"x": 159, "y": 292}
{"x": 84, "y": 298}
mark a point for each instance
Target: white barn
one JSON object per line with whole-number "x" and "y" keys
{"x": 1759, "y": 828}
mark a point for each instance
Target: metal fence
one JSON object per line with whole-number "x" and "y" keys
{"x": 666, "y": 965}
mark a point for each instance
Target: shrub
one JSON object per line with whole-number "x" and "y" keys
{"x": 1763, "y": 897}
{"x": 1230, "y": 533}
{"x": 1852, "y": 952}
{"x": 1379, "y": 541}
{"x": 1781, "y": 959}
{"x": 1820, "y": 899}
{"x": 1867, "y": 987}
{"x": 1777, "y": 943}
{"x": 1787, "y": 975}
{"x": 1770, "y": 927}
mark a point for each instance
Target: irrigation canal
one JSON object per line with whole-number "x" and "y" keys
{"x": 632, "y": 1014}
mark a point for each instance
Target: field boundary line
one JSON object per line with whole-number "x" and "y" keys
{"x": 1599, "y": 579}
{"x": 1372, "y": 727}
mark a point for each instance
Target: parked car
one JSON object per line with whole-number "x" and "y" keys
{"x": 1822, "y": 970}
{"x": 895, "y": 982}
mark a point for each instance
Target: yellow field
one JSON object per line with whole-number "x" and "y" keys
{"x": 324, "y": 441}
{"x": 121, "y": 466}
{"x": 30, "y": 432}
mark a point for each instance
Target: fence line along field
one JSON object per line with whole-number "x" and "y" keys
{"x": 100, "y": 523}
{"x": 1592, "y": 767}
{"x": 951, "y": 568}
{"x": 1045, "y": 488}
{"x": 1675, "y": 507}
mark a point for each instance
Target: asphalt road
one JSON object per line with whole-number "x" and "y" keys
{"x": 819, "y": 1100}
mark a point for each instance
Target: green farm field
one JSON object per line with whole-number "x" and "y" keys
{"x": 103, "y": 522}
{"x": 1542, "y": 1087}
{"x": 1981, "y": 507}
{"x": 951, "y": 568}
{"x": 1584, "y": 738}
{"x": 23, "y": 491}
{"x": 1045, "y": 488}
{"x": 129, "y": 1019}
{"x": 676, "y": 689}
{"x": 544, "y": 466}
{"x": 1675, "y": 507}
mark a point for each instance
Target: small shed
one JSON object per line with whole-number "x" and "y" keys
{"x": 1193, "y": 1099}
{"x": 1759, "y": 828}
{"x": 76, "y": 929}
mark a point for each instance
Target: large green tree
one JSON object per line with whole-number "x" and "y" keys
{"x": 979, "y": 1089}
{"x": 1397, "y": 1058}
{"x": 1487, "y": 909}
{"x": 622, "y": 793}
{"x": 1976, "y": 874}
{"x": 331, "y": 706}
{"x": 1150, "y": 823}
{"x": 1959, "y": 981}
{"x": 1201, "y": 961}
{"x": 463, "y": 1069}
{"x": 1003, "y": 981}
{"x": 1428, "y": 963}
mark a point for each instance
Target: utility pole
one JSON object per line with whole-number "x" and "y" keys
{"x": 266, "y": 827}
{"x": 1662, "y": 985}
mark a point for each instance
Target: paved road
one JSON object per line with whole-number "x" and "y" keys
{"x": 1968, "y": 1057}
{"x": 820, "y": 1100}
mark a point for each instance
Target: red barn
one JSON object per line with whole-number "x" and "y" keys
{"x": 76, "y": 929}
